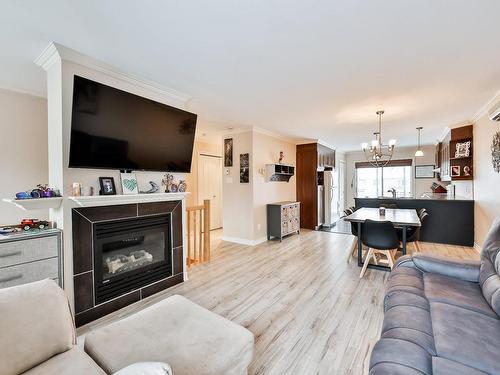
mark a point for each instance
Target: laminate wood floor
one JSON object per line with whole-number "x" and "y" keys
{"x": 305, "y": 304}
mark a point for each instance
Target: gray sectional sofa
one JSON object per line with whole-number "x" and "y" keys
{"x": 442, "y": 316}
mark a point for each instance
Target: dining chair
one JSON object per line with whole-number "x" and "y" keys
{"x": 354, "y": 249}
{"x": 381, "y": 238}
{"x": 413, "y": 233}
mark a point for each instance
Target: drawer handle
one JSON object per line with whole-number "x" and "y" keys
{"x": 5, "y": 255}
{"x": 10, "y": 278}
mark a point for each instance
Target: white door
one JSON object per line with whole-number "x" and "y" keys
{"x": 341, "y": 186}
{"x": 210, "y": 186}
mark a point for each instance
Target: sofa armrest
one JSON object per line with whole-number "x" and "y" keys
{"x": 467, "y": 270}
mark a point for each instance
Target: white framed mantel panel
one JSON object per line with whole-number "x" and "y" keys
{"x": 62, "y": 64}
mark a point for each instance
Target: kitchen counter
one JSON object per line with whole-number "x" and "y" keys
{"x": 450, "y": 220}
{"x": 426, "y": 196}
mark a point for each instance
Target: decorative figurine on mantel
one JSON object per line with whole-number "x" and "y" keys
{"x": 282, "y": 157}
{"x": 168, "y": 181}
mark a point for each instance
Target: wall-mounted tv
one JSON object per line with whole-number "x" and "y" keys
{"x": 114, "y": 129}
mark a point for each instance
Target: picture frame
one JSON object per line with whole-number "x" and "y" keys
{"x": 455, "y": 171}
{"x": 244, "y": 168}
{"x": 228, "y": 152}
{"x": 462, "y": 149}
{"x": 129, "y": 183}
{"x": 425, "y": 171}
{"x": 107, "y": 186}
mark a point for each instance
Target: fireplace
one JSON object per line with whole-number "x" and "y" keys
{"x": 129, "y": 254}
{"x": 124, "y": 253}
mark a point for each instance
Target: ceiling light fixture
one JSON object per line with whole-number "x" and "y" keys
{"x": 378, "y": 154}
{"x": 419, "y": 151}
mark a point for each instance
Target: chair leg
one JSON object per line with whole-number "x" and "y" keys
{"x": 353, "y": 250}
{"x": 367, "y": 260}
{"x": 417, "y": 246}
{"x": 389, "y": 258}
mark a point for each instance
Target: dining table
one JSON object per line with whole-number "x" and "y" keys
{"x": 400, "y": 217}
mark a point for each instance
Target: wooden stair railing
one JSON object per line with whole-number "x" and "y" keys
{"x": 198, "y": 233}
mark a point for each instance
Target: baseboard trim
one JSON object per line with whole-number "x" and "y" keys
{"x": 244, "y": 241}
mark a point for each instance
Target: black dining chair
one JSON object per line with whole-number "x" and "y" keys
{"x": 381, "y": 238}
{"x": 413, "y": 233}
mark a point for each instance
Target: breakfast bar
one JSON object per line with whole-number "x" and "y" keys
{"x": 450, "y": 220}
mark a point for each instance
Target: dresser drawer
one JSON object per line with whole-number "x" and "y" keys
{"x": 17, "y": 252}
{"x": 29, "y": 272}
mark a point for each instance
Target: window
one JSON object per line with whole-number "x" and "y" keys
{"x": 375, "y": 182}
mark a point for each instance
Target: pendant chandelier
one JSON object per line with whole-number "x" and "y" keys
{"x": 378, "y": 154}
{"x": 419, "y": 151}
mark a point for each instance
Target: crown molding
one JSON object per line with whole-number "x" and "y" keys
{"x": 486, "y": 107}
{"x": 319, "y": 141}
{"x": 24, "y": 92}
{"x": 270, "y": 133}
{"x": 55, "y": 52}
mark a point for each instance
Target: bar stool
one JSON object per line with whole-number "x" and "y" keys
{"x": 381, "y": 238}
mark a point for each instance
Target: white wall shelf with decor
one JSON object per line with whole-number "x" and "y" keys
{"x": 35, "y": 203}
{"x": 105, "y": 200}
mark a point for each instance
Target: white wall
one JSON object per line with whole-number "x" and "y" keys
{"x": 244, "y": 205}
{"x": 419, "y": 186}
{"x": 23, "y": 155}
{"x": 237, "y": 198}
{"x": 486, "y": 180}
{"x": 266, "y": 150}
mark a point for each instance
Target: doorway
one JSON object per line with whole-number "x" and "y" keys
{"x": 210, "y": 186}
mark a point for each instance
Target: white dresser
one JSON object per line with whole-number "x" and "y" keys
{"x": 31, "y": 256}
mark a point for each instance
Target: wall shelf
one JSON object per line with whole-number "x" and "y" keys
{"x": 279, "y": 172}
{"x": 109, "y": 200}
{"x": 35, "y": 203}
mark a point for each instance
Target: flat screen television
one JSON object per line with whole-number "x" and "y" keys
{"x": 114, "y": 129}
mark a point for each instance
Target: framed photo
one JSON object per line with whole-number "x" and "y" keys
{"x": 228, "y": 152}
{"x": 107, "y": 185}
{"x": 129, "y": 183}
{"x": 244, "y": 168}
{"x": 455, "y": 171}
{"x": 425, "y": 171}
{"x": 462, "y": 149}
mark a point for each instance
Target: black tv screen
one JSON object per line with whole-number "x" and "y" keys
{"x": 114, "y": 129}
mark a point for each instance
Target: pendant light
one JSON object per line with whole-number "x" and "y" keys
{"x": 419, "y": 151}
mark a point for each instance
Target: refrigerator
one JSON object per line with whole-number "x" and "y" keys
{"x": 330, "y": 198}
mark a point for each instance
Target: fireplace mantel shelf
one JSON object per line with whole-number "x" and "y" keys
{"x": 108, "y": 200}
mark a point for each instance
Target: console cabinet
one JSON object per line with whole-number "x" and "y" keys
{"x": 30, "y": 256}
{"x": 283, "y": 218}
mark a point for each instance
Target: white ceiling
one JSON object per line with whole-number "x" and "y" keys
{"x": 305, "y": 69}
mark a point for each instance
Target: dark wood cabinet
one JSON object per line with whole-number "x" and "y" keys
{"x": 311, "y": 158}
{"x": 453, "y": 167}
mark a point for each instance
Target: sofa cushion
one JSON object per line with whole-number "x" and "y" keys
{"x": 457, "y": 292}
{"x": 399, "y": 357}
{"x": 489, "y": 275}
{"x": 442, "y": 366}
{"x": 467, "y": 337}
{"x": 36, "y": 324}
{"x": 190, "y": 338}
{"x": 417, "y": 330}
{"x": 71, "y": 362}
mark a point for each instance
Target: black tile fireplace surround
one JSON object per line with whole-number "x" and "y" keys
{"x": 124, "y": 253}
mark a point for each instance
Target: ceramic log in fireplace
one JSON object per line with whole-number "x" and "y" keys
{"x": 124, "y": 253}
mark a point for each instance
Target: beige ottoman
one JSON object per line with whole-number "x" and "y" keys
{"x": 193, "y": 340}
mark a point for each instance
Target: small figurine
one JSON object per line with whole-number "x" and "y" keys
{"x": 282, "y": 157}
{"x": 154, "y": 188}
{"x": 167, "y": 181}
{"x": 28, "y": 224}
